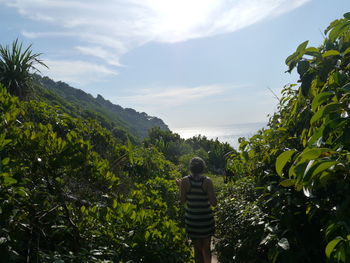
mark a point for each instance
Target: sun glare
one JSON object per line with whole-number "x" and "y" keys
{"x": 182, "y": 16}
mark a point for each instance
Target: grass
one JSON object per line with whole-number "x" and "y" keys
{"x": 218, "y": 181}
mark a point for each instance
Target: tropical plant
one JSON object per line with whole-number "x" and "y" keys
{"x": 16, "y": 67}
{"x": 321, "y": 167}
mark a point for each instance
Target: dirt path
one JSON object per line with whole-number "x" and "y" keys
{"x": 214, "y": 258}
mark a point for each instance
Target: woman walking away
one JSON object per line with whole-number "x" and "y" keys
{"x": 197, "y": 193}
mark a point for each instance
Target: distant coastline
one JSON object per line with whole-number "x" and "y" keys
{"x": 224, "y": 133}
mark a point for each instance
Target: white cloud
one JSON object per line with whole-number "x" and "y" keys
{"x": 107, "y": 29}
{"x": 100, "y": 53}
{"x": 174, "y": 96}
{"x": 76, "y": 71}
{"x": 29, "y": 34}
{"x": 121, "y": 25}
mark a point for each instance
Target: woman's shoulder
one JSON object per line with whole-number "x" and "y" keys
{"x": 206, "y": 178}
{"x": 186, "y": 179}
{"x": 201, "y": 178}
{"x": 206, "y": 181}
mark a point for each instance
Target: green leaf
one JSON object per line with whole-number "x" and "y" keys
{"x": 282, "y": 160}
{"x": 2, "y": 240}
{"x": 331, "y": 107}
{"x": 319, "y": 99}
{"x": 330, "y": 229}
{"x": 346, "y": 87}
{"x": 147, "y": 235}
{"x": 341, "y": 27}
{"x": 291, "y": 58}
{"x": 308, "y": 168}
{"x": 317, "y": 116}
{"x": 308, "y": 209}
{"x": 347, "y": 15}
{"x": 5, "y": 161}
{"x": 115, "y": 203}
{"x": 316, "y": 138}
{"x": 312, "y": 154}
{"x": 298, "y": 187}
{"x": 332, "y": 25}
{"x": 8, "y": 181}
{"x": 329, "y": 53}
{"x": 4, "y": 142}
{"x": 347, "y": 51}
{"x": 302, "y": 67}
{"x": 312, "y": 51}
{"x": 331, "y": 245}
{"x": 283, "y": 243}
{"x": 306, "y": 84}
{"x": 287, "y": 182}
{"x": 323, "y": 166}
{"x": 301, "y": 48}
{"x": 325, "y": 176}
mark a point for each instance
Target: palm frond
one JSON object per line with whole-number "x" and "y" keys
{"x": 15, "y": 66}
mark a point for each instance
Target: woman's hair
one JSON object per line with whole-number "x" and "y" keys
{"x": 197, "y": 165}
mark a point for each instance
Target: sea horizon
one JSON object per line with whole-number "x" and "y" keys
{"x": 224, "y": 133}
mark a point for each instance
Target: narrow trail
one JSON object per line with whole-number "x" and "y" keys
{"x": 214, "y": 258}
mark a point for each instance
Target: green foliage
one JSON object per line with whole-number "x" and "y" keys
{"x": 320, "y": 166}
{"x": 70, "y": 192}
{"x": 168, "y": 143}
{"x": 75, "y": 102}
{"x": 301, "y": 162}
{"x": 282, "y": 160}
{"x": 216, "y": 150}
{"x": 181, "y": 151}
{"x": 240, "y": 223}
{"x": 139, "y": 230}
{"x": 218, "y": 182}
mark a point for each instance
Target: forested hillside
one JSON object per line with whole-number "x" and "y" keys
{"x": 79, "y": 103}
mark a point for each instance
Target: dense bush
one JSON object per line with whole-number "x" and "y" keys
{"x": 69, "y": 191}
{"x": 240, "y": 223}
{"x": 301, "y": 161}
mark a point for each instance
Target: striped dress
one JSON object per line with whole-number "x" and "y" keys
{"x": 199, "y": 217}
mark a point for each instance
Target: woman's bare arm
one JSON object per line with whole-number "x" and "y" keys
{"x": 183, "y": 185}
{"x": 211, "y": 192}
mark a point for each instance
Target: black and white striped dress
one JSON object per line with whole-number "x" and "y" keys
{"x": 199, "y": 217}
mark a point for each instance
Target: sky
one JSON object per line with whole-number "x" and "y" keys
{"x": 189, "y": 62}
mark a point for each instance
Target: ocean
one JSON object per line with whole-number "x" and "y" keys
{"x": 224, "y": 133}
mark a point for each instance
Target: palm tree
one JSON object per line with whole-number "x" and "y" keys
{"x": 16, "y": 68}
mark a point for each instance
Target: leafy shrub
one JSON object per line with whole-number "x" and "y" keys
{"x": 301, "y": 162}
{"x": 240, "y": 223}
{"x": 62, "y": 196}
